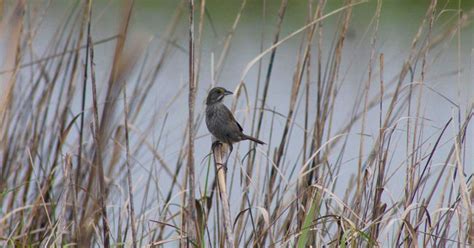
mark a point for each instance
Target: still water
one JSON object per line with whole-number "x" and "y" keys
{"x": 449, "y": 73}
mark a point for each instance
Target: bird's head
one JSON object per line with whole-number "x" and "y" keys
{"x": 216, "y": 95}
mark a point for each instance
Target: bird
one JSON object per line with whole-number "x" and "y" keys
{"x": 221, "y": 123}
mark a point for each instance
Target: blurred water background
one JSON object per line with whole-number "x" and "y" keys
{"x": 449, "y": 75}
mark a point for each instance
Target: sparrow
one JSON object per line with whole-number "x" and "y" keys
{"x": 221, "y": 122}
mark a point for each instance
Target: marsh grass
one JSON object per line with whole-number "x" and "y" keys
{"x": 70, "y": 144}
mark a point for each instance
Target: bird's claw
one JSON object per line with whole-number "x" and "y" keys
{"x": 221, "y": 165}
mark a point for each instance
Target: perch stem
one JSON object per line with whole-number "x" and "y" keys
{"x": 219, "y": 151}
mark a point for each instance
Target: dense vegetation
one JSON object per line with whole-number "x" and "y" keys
{"x": 84, "y": 160}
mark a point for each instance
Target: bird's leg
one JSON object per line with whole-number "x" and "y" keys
{"x": 213, "y": 147}
{"x": 228, "y": 156}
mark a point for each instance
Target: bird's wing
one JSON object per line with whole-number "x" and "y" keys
{"x": 231, "y": 116}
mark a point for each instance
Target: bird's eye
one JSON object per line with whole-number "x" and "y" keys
{"x": 221, "y": 91}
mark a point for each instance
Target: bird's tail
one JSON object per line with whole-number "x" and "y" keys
{"x": 246, "y": 137}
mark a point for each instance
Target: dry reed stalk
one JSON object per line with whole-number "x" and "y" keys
{"x": 103, "y": 127}
{"x": 145, "y": 90}
{"x": 381, "y": 168}
{"x": 122, "y": 64}
{"x": 37, "y": 125}
{"x": 470, "y": 232}
{"x": 84, "y": 22}
{"x": 15, "y": 31}
{"x": 366, "y": 97}
{"x": 99, "y": 166}
{"x": 192, "y": 226}
{"x": 276, "y": 39}
{"x": 197, "y": 62}
{"x": 303, "y": 60}
{"x": 250, "y": 164}
{"x": 129, "y": 171}
{"x": 219, "y": 152}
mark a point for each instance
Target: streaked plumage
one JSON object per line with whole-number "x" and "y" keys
{"x": 221, "y": 122}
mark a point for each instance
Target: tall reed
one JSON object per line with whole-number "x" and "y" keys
{"x": 93, "y": 151}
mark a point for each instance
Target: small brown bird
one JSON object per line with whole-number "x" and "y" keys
{"x": 221, "y": 122}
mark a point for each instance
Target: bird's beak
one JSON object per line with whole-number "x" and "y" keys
{"x": 228, "y": 92}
